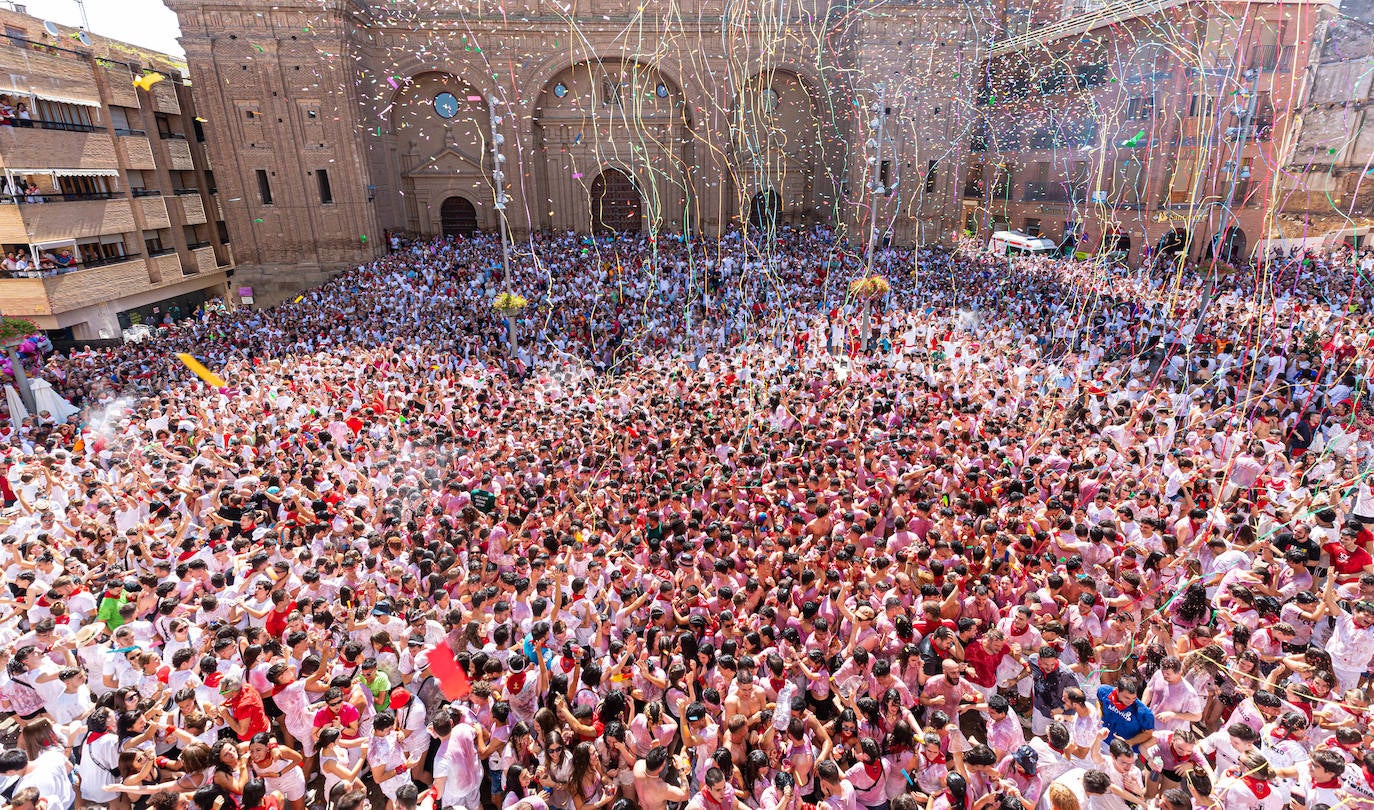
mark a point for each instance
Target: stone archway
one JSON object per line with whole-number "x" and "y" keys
{"x": 457, "y": 217}
{"x": 1172, "y": 244}
{"x": 1229, "y": 247}
{"x": 616, "y": 204}
{"x": 619, "y": 112}
{"x": 765, "y": 210}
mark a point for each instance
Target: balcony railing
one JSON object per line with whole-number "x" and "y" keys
{"x": 182, "y": 191}
{"x": 973, "y": 190}
{"x": 1044, "y": 192}
{"x": 133, "y": 132}
{"x": 196, "y": 245}
{"x": 55, "y": 197}
{"x": 172, "y": 136}
{"x": 101, "y": 262}
{"x": 60, "y": 270}
{"x": 147, "y": 192}
{"x": 162, "y": 251}
{"x": 64, "y": 126}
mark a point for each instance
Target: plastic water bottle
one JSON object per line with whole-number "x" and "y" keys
{"x": 782, "y": 712}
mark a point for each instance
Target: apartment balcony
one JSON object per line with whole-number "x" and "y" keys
{"x": 205, "y": 259}
{"x": 180, "y": 153}
{"x": 55, "y": 294}
{"x": 168, "y": 264}
{"x": 59, "y": 145}
{"x": 118, "y": 88}
{"x": 64, "y": 216}
{"x": 1037, "y": 191}
{"x": 155, "y": 214}
{"x": 138, "y": 150}
{"x": 165, "y": 98}
{"x": 192, "y": 209}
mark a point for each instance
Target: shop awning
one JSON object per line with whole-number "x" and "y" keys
{"x": 85, "y": 172}
{"x": 63, "y": 99}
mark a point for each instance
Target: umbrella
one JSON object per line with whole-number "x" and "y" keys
{"x": 16, "y": 403}
{"x": 46, "y": 399}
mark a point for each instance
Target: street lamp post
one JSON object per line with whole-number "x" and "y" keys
{"x": 498, "y": 179}
{"x": 1221, "y": 240}
{"x": 878, "y": 125}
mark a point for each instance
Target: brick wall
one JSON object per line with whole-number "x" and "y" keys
{"x": 165, "y": 98}
{"x": 24, "y": 297}
{"x": 31, "y": 148}
{"x": 86, "y": 287}
{"x": 180, "y": 152}
{"x": 169, "y": 267}
{"x": 193, "y": 210}
{"x": 12, "y": 224}
{"x": 205, "y": 259}
{"x": 138, "y": 152}
{"x": 33, "y": 67}
{"x": 76, "y": 220}
{"x": 154, "y": 212}
{"x": 119, "y": 84}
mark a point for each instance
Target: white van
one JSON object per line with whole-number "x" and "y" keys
{"x": 1015, "y": 243}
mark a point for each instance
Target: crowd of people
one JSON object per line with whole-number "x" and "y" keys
{"x": 1018, "y": 534}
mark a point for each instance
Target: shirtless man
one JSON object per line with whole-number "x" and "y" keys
{"x": 653, "y": 792}
{"x": 746, "y": 696}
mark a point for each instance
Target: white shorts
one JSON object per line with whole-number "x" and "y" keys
{"x": 468, "y": 801}
{"x": 1348, "y": 678}
{"x": 290, "y": 784}
{"x": 390, "y": 786}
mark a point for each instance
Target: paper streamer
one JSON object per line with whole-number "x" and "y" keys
{"x": 211, "y": 378}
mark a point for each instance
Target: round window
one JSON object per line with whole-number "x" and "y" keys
{"x": 560, "y": 89}
{"x": 662, "y": 90}
{"x": 770, "y": 99}
{"x": 446, "y": 105}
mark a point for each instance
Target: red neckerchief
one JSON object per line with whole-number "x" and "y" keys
{"x": 1259, "y": 787}
{"x": 515, "y": 683}
{"x": 874, "y": 770}
{"x": 1118, "y": 704}
{"x": 61, "y": 619}
{"x": 938, "y": 759}
{"x": 95, "y": 735}
{"x": 1330, "y": 784}
{"x": 578, "y": 597}
{"x": 1279, "y": 733}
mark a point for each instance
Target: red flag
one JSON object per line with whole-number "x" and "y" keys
{"x": 452, "y": 679}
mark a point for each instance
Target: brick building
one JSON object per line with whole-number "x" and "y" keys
{"x": 1143, "y": 127}
{"x": 1327, "y": 189}
{"x": 105, "y": 189}
{"x": 335, "y": 121}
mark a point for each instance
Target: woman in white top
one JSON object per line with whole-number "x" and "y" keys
{"x": 339, "y": 777}
{"x": 100, "y": 758}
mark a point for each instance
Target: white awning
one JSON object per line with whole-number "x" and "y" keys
{"x": 69, "y": 242}
{"x": 85, "y": 172}
{"x": 85, "y": 102}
